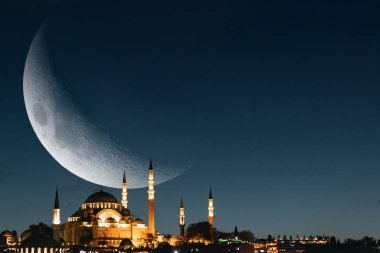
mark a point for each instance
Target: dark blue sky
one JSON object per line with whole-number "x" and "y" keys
{"x": 275, "y": 104}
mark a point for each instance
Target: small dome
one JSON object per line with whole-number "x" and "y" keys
{"x": 34, "y": 241}
{"x": 78, "y": 213}
{"x": 85, "y": 219}
{"x": 6, "y": 233}
{"x": 25, "y": 234}
{"x": 126, "y": 243}
{"x": 101, "y": 196}
{"x": 123, "y": 221}
{"x": 138, "y": 221}
{"x": 163, "y": 245}
{"x": 110, "y": 220}
{"x": 125, "y": 212}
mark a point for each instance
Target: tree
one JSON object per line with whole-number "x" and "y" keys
{"x": 201, "y": 231}
{"x": 368, "y": 242}
{"x": 149, "y": 240}
{"x": 41, "y": 229}
{"x": 352, "y": 244}
{"x": 333, "y": 240}
{"x": 163, "y": 247}
{"x": 223, "y": 235}
{"x": 246, "y": 236}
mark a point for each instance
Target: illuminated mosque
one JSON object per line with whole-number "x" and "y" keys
{"x": 103, "y": 221}
{"x": 103, "y": 224}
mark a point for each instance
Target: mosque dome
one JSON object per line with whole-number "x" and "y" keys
{"x": 101, "y": 196}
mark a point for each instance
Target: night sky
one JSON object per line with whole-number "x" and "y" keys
{"x": 275, "y": 104}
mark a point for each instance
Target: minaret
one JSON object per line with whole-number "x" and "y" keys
{"x": 236, "y": 234}
{"x": 151, "y": 200}
{"x": 124, "y": 194}
{"x": 210, "y": 209}
{"x": 56, "y": 214}
{"x": 56, "y": 226}
{"x": 181, "y": 219}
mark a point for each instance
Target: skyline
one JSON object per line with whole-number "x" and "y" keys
{"x": 275, "y": 105}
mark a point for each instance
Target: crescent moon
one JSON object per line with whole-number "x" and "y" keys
{"x": 72, "y": 139}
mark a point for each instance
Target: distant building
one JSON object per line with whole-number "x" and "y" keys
{"x": 289, "y": 245}
{"x": 8, "y": 241}
{"x": 7, "y": 238}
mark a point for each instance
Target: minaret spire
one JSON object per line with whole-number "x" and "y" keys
{"x": 124, "y": 193}
{"x": 181, "y": 219}
{"x": 210, "y": 209}
{"x": 151, "y": 191}
{"x": 56, "y": 226}
{"x": 56, "y": 210}
{"x": 56, "y": 201}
